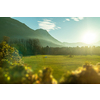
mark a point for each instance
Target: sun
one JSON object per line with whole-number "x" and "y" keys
{"x": 89, "y": 37}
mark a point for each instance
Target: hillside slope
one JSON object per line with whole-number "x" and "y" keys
{"x": 17, "y": 30}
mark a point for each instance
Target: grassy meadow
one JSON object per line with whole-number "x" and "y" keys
{"x": 59, "y": 63}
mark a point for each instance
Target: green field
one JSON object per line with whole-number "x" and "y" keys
{"x": 59, "y": 63}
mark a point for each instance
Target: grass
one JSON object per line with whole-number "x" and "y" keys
{"x": 59, "y": 63}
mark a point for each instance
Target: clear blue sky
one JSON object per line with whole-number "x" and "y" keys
{"x": 65, "y": 29}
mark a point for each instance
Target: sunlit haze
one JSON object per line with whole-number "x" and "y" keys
{"x": 89, "y": 37}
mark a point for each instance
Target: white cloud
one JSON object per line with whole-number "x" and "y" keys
{"x": 59, "y": 27}
{"x": 47, "y": 25}
{"x": 68, "y": 19}
{"x": 75, "y": 18}
{"x": 80, "y": 18}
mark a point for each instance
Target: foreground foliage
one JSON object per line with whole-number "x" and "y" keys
{"x": 13, "y": 70}
{"x": 88, "y": 74}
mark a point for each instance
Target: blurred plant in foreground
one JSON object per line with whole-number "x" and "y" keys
{"x": 88, "y": 74}
{"x": 45, "y": 76}
{"x": 14, "y": 71}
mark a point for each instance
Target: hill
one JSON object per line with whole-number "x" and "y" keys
{"x": 17, "y": 30}
{"x": 75, "y": 44}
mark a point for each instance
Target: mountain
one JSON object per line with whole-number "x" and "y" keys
{"x": 17, "y": 30}
{"x": 80, "y": 44}
{"x": 44, "y": 37}
{"x": 75, "y": 44}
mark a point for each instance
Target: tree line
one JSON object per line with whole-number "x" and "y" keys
{"x": 33, "y": 47}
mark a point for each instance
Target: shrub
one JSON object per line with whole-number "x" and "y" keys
{"x": 12, "y": 68}
{"x": 14, "y": 71}
{"x": 45, "y": 76}
{"x": 88, "y": 74}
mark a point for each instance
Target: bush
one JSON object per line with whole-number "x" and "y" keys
{"x": 45, "y": 76}
{"x": 88, "y": 74}
{"x": 14, "y": 71}
{"x": 12, "y": 68}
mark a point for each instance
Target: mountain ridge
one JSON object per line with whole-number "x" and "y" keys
{"x": 17, "y": 30}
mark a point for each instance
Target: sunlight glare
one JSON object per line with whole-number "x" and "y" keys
{"x": 89, "y": 38}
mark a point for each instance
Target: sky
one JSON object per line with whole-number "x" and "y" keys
{"x": 67, "y": 29}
